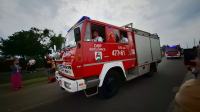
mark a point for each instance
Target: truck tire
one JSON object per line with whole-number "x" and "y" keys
{"x": 153, "y": 69}
{"x": 110, "y": 85}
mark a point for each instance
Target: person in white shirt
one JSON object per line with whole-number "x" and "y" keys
{"x": 31, "y": 65}
{"x": 123, "y": 39}
{"x": 97, "y": 38}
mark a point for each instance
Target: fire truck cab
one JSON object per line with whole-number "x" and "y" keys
{"x": 172, "y": 52}
{"x": 99, "y": 67}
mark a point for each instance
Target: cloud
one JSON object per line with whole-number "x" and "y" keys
{"x": 23, "y": 14}
{"x": 176, "y": 21}
{"x": 39, "y": 7}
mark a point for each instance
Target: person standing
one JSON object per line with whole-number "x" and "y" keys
{"x": 50, "y": 65}
{"x": 16, "y": 77}
{"x": 187, "y": 99}
{"x": 31, "y": 65}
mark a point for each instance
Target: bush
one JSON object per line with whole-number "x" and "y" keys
{"x": 5, "y": 65}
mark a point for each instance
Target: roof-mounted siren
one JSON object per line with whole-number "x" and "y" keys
{"x": 128, "y": 26}
{"x": 80, "y": 20}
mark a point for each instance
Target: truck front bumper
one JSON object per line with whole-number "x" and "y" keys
{"x": 70, "y": 85}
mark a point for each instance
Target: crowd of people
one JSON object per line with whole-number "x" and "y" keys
{"x": 16, "y": 71}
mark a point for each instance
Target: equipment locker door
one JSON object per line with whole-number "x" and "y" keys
{"x": 144, "y": 56}
{"x": 156, "y": 52}
{"x": 143, "y": 49}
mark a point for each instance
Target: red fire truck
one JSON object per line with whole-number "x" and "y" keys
{"x": 100, "y": 67}
{"x": 173, "y": 52}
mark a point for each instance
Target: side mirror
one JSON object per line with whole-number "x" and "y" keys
{"x": 77, "y": 34}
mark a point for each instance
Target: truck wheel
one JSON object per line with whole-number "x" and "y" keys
{"x": 110, "y": 85}
{"x": 153, "y": 69}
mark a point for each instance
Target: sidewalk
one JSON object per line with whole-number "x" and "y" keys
{"x": 188, "y": 76}
{"x": 26, "y": 98}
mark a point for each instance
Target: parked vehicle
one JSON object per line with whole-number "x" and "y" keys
{"x": 172, "y": 52}
{"x": 99, "y": 67}
{"x": 189, "y": 55}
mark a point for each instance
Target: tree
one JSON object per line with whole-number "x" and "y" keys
{"x": 24, "y": 43}
{"x": 34, "y": 42}
{"x": 57, "y": 40}
{"x": 54, "y": 40}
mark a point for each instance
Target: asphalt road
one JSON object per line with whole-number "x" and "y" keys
{"x": 144, "y": 94}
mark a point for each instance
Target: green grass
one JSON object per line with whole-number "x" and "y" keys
{"x": 6, "y": 88}
{"x": 29, "y": 80}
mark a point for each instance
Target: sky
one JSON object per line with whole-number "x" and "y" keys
{"x": 175, "y": 21}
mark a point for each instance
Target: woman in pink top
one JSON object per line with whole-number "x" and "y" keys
{"x": 16, "y": 77}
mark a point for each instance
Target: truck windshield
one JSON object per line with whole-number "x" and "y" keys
{"x": 171, "y": 49}
{"x": 70, "y": 39}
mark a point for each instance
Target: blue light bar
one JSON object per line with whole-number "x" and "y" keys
{"x": 82, "y": 19}
{"x": 174, "y": 46}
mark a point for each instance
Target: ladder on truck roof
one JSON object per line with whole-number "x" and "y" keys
{"x": 140, "y": 32}
{"x": 144, "y": 33}
{"x": 128, "y": 26}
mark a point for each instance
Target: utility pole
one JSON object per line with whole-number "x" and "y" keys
{"x": 194, "y": 42}
{"x": 186, "y": 45}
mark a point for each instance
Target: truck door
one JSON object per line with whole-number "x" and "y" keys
{"x": 93, "y": 50}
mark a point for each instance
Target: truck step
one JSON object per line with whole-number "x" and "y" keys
{"x": 131, "y": 74}
{"x": 91, "y": 91}
{"x": 130, "y": 77}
